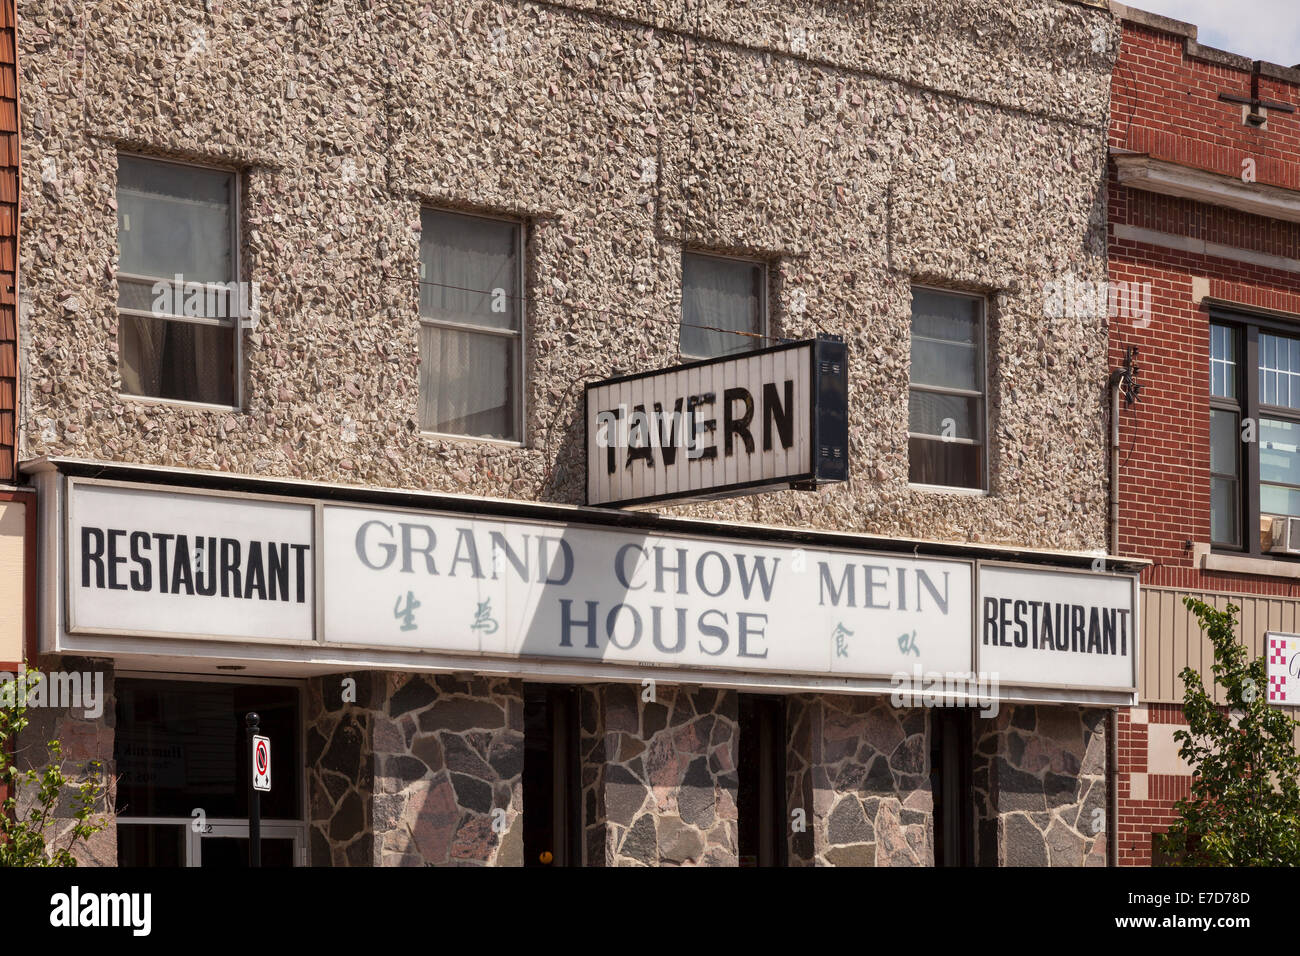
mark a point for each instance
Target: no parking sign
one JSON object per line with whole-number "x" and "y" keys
{"x": 261, "y": 763}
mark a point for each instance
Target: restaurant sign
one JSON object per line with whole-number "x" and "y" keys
{"x": 353, "y": 579}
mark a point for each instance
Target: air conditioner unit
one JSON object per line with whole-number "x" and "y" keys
{"x": 1284, "y": 534}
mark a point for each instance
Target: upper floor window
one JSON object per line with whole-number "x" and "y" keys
{"x": 1225, "y": 431}
{"x": 1254, "y": 432}
{"x": 471, "y": 325}
{"x": 177, "y": 281}
{"x": 724, "y": 305}
{"x": 946, "y": 434}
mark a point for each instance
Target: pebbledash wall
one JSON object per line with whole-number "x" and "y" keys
{"x": 1214, "y": 226}
{"x": 857, "y": 149}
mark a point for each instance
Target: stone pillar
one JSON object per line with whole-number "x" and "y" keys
{"x": 659, "y": 776}
{"x": 341, "y": 767}
{"x": 84, "y": 736}
{"x": 413, "y": 771}
{"x": 1039, "y": 776}
{"x": 449, "y": 755}
{"x": 858, "y": 768}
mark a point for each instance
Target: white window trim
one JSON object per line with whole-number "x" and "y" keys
{"x": 521, "y": 380}
{"x": 236, "y": 217}
{"x": 765, "y": 321}
{"x": 983, "y": 396}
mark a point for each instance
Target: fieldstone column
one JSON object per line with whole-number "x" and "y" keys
{"x": 420, "y": 770}
{"x": 449, "y": 771}
{"x": 659, "y": 776}
{"x": 857, "y": 768}
{"x": 1040, "y": 785}
{"x": 341, "y": 767}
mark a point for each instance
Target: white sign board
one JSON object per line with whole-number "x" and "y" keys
{"x": 157, "y": 562}
{"x": 1056, "y": 628}
{"x": 725, "y": 426}
{"x": 522, "y": 589}
{"x": 1283, "y": 658}
{"x": 188, "y": 565}
{"x": 261, "y": 763}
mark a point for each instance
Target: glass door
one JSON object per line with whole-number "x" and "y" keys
{"x": 226, "y": 846}
{"x": 183, "y": 758}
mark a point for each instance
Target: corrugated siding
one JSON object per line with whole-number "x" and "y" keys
{"x": 1172, "y": 640}
{"x": 8, "y": 240}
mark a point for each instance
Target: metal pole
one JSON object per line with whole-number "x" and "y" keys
{"x": 254, "y": 797}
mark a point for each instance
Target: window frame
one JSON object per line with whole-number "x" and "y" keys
{"x": 982, "y": 396}
{"x": 1236, "y": 407}
{"x": 521, "y": 380}
{"x": 764, "y": 316}
{"x": 1248, "y": 326}
{"x": 236, "y": 268}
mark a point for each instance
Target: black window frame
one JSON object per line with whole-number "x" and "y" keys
{"x": 1231, "y": 405}
{"x": 1247, "y": 327}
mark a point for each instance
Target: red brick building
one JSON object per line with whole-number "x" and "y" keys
{"x": 1204, "y": 244}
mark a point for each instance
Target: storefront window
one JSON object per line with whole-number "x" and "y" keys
{"x": 182, "y": 756}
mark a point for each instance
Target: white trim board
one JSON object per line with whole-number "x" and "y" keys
{"x": 1200, "y": 247}
{"x": 1138, "y": 171}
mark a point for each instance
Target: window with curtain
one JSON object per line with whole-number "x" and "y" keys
{"x": 471, "y": 338}
{"x": 946, "y": 435}
{"x": 177, "y": 269}
{"x": 1254, "y": 379}
{"x": 722, "y": 299}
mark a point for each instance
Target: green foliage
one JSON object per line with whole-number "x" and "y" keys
{"x": 23, "y": 833}
{"x": 1244, "y": 808}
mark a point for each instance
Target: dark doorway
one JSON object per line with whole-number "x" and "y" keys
{"x": 761, "y": 799}
{"x": 182, "y": 757}
{"x": 952, "y": 733}
{"x": 552, "y": 781}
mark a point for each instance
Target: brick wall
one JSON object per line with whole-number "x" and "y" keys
{"x": 1164, "y": 102}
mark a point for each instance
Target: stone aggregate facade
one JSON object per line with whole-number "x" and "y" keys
{"x": 856, "y": 148}
{"x": 825, "y": 139}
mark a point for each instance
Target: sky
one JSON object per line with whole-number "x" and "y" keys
{"x": 1259, "y": 29}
